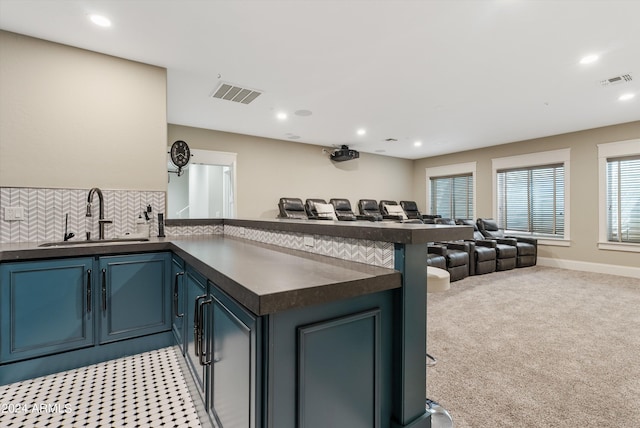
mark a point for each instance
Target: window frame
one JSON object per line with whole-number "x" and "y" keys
{"x": 616, "y": 149}
{"x": 451, "y": 170}
{"x": 560, "y": 156}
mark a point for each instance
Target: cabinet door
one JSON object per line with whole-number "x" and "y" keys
{"x": 178, "y": 301}
{"x": 134, "y": 295}
{"x": 196, "y": 286}
{"x": 46, "y": 307}
{"x": 233, "y": 374}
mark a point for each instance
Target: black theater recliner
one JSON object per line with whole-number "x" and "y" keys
{"x": 343, "y": 209}
{"x": 393, "y": 211}
{"x": 385, "y": 211}
{"x": 437, "y": 257}
{"x": 369, "y": 210}
{"x": 411, "y": 210}
{"x": 505, "y": 250}
{"x": 291, "y": 208}
{"x": 484, "y": 254}
{"x": 526, "y": 248}
{"x": 312, "y": 212}
{"x": 457, "y": 259}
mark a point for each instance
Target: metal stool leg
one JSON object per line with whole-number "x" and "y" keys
{"x": 440, "y": 418}
{"x": 433, "y": 361}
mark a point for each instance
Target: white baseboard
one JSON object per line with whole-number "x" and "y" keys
{"x": 633, "y": 272}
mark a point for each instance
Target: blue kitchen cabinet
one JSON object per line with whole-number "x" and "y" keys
{"x": 134, "y": 295}
{"x": 231, "y": 353}
{"x": 197, "y": 292}
{"x": 61, "y": 314}
{"x": 47, "y": 307}
{"x": 221, "y": 349}
{"x": 178, "y": 299}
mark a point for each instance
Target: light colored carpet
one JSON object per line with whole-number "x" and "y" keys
{"x": 537, "y": 347}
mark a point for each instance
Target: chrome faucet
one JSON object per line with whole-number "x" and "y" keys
{"x": 101, "y": 220}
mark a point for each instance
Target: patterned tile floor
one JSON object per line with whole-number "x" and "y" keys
{"x": 141, "y": 391}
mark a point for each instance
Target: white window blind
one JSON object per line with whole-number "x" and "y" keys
{"x": 452, "y": 196}
{"x": 531, "y": 200}
{"x": 623, "y": 199}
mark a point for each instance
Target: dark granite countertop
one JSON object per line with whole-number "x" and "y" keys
{"x": 264, "y": 278}
{"x": 386, "y": 231}
{"x": 268, "y": 279}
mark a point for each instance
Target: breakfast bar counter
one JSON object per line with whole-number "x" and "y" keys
{"x": 302, "y": 333}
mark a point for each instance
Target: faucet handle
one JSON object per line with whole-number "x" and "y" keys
{"x": 105, "y": 221}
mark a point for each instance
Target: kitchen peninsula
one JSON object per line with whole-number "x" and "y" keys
{"x": 275, "y": 337}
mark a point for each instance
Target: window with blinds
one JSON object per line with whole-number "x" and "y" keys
{"x": 531, "y": 200}
{"x": 623, "y": 199}
{"x": 452, "y": 196}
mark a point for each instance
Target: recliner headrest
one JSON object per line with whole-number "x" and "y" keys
{"x": 341, "y": 204}
{"x": 310, "y": 207}
{"x": 409, "y": 205}
{"x": 488, "y": 224}
{"x": 292, "y": 204}
{"x": 467, "y": 222}
{"x": 368, "y": 205}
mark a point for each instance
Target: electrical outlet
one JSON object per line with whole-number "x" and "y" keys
{"x": 13, "y": 213}
{"x": 309, "y": 241}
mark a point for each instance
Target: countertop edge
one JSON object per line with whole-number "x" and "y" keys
{"x": 372, "y": 278}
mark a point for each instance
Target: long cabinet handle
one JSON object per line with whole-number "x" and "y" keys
{"x": 104, "y": 291}
{"x": 88, "y": 291}
{"x": 175, "y": 296}
{"x": 197, "y": 336}
{"x": 203, "y": 353}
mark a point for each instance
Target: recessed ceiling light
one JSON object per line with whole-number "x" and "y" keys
{"x": 417, "y": 143}
{"x": 589, "y": 59}
{"x": 281, "y": 116}
{"x": 100, "y": 20}
{"x": 361, "y": 131}
{"x": 626, "y": 97}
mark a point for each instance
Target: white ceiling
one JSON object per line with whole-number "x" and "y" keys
{"x": 455, "y": 75}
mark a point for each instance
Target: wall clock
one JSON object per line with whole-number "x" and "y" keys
{"x": 180, "y": 154}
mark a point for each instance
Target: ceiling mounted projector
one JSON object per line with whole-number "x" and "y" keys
{"x": 344, "y": 154}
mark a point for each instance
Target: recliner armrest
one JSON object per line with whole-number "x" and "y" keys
{"x": 437, "y": 249}
{"x": 462, "y": 246}
{"x": 507, "y": 241}
{"x": 346, "y": 217}
{"x": 532, "y": 241}
{"x": 318, "y": 217}
{"x": 392, "y": 217}
{"x": 486, "y": 243}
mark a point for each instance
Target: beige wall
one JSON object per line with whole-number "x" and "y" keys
{"x": 583, "y": 182}
{"x": 71, "y": 118}
{"x": 270, "y": 169}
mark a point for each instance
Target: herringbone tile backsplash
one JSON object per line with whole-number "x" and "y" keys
{"x": 358, "y": 250}
{"x": 45, "y": 211}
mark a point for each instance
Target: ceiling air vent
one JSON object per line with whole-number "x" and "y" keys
{"x": 233, "y": 92}
{"x": 617, "y": 79}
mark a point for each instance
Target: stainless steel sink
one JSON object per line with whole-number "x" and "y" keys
{"x": 91, "y": 242}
